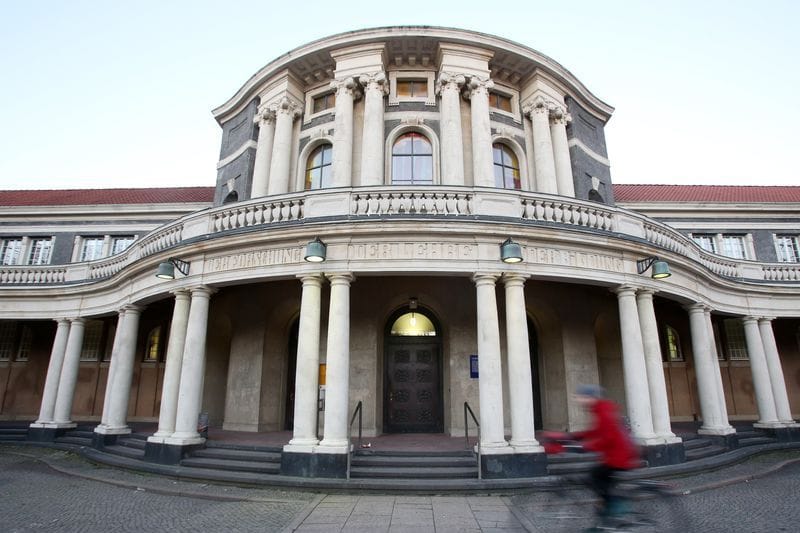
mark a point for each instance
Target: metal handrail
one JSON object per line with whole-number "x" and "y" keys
{"x": 468, "y": 409}
{"x": 356, "y": 411}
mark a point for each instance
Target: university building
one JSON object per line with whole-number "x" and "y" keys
{"x": 409, "y": 219}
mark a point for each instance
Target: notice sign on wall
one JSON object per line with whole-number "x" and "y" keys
{"x": 473, "y": 366}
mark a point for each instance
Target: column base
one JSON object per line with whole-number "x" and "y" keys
{"x": 327, "y": 465}
{"x": 513, "y": 465}
{"x": 720, "y": 431}
{"x": 167, "y": 454}
{"x": 664, "y": 453}
{"x": 769, "y": 425}
{"x": 787, "y": 433}
{"x": 46, "y": 432}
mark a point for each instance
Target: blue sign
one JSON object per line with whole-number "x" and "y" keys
{"x": 473, "y": 366}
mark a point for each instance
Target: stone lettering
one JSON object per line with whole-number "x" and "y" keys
{"x": 261, "y": 258}
{"x": 410, "y": 250}
{"x": 552, "y": 256}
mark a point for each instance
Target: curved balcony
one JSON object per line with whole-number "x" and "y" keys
{"x": 386, "y": 203}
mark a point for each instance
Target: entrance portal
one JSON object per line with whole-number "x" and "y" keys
{"x": 413, "y": 374}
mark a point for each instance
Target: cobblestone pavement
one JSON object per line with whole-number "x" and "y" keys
{"x": 49, "y": 490}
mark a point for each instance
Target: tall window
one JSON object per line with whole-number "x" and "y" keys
{"x": 318, "y": 168}
{"x": 734, "y": 246}
{"x": 41, "y": 249}
{"x": 673, "y": 341}
{"x": 8, "y": 337}
{"x": 788, "y": 248}
{"x": 92, "y": 340}
{"x": 506, "y": 167}
{"x": 735, "y": 341}
{"x": 25, "y": 343}
{"x": 120, "y": 244}
{"x": 153, "y": 345}
{"x": 412, "y": 160}
{"x": 9, "y": 251}
{"x": 705, "y": 241}
{"x": 92, "y": 248}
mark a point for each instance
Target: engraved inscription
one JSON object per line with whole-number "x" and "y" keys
{"x": 411, "y": 250}
{"x": 278, "y": 256}
{"x": 554, "y": 256}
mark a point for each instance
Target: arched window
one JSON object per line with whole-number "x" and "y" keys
{"x": 153, "y": 350}
{"x": 232, "y": 197}
{"x": 412, "y": 324}
{"x": 506, "y": 167}
{"x": 673, "y": 344}
{"x": 318, "y": 167}
{"x": 412, "y": 160}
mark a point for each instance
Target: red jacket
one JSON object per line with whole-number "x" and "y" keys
{"x": 609, "y": 437}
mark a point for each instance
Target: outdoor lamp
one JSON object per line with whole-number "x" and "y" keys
{"x": 315, "y": 251}
{"x": 166, "y": 269}
{"x": 510, "y": 251}
{"x": 660, "y": 268}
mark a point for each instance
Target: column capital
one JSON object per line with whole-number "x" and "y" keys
{"x": 180, "y": 293}
{"x": 645, "y": 292}
{"x": 264, "y": 115}
{"x": 766, "y": 319}
{"x": 61, "y": 320}
{"x": 559, "y": 115}
{"x": 485, "y": 278}
{"x": 374, "y": 82}
{"x": 346, "y": 87}
{"x": 311, "y": 279}
{"x": 476, "y": 85}
{"x": 340, "y": 278}
{"x": 202, "y": 290}
{"x": 285, "y": 106}
{"x": 511, "y": 279}
{"x": 623, "y": 290}
{"x": 131, "y": 308}
{"x": 750, "y": 318}
{"x": 696, "y": 307}
{"x": 77, "y": 320}
{"x": 450, "y": 81}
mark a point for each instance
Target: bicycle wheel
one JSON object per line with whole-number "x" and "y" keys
{"x": 656, "y": 507}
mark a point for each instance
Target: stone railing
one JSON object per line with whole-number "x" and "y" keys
{"x": 367, "y": 202}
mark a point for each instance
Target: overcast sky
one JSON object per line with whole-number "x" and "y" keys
{"x": 119, "y": 94}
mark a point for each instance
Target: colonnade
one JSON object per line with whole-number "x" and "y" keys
{"x": 552, "y": 173}
{"x": 644, "y": 382}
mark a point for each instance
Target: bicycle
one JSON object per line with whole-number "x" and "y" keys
{"x": 569, "y": 504}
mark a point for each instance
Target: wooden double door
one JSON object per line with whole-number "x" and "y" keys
{"x": 413, "y": 386}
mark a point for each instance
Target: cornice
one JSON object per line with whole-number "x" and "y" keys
{"x": 545, "y": 65}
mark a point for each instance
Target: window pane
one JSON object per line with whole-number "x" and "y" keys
{"x": 788, "y": 248}
{"x": 120, "y": 244}
{"x": 421, "y": 145}
{"x": 512, "y": 179}
{"x": 404, "y": 145}
{"x": 327, "y": 154}
{"x": 420, "y": 88}
{"x": 706, "y": 242}
{"x": 736, "y": 343}
{"x": 8, "y": 333}
{"x": 153, "y": 345}
{"x": 733, "y": 246}
{"x": 25, "y": 343}
{"x": 91, "y": 340}
{"x": 92, "y": 248}
{"x": 9, "y": 254}
{"x": 312, "y": 178}
{"x": 499, "y": 178}
{"x": 326, "y": 174}
{"x": 315, "y": 160}
{"x": 401, "y": 169}
{"x": 423, "y": 169}
{"x": 404, "y": 88}
{"x": 40, "y": 252}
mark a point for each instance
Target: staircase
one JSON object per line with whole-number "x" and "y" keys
{"x": 393, "y": 465}
{"x": 10, "y": 431}
{"x": 250, "y": 459}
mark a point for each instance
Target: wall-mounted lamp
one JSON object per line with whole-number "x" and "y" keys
{"x": 166, "y": 269}
{"x": 510, "y": 251}
{"x": 315, "y": 251}
{"x": 660, "y": 268}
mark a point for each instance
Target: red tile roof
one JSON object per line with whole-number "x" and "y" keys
{"x": 107, "y": 196}
{"x": 707, "y": 193}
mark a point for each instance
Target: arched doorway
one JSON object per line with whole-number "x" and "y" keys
{"x": 413, "y": 373}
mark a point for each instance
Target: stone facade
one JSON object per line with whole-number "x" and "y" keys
{"x": 413, "y": 154}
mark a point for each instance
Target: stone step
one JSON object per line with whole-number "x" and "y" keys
{"x": 80, "y": 433}
{"x": 421, "y": 461}
{"x": 747, "y": 434}
{"x": 706, "y": 451}
{"x": 238, "y": 455}
{"x": 754, "y": 441}
{"x": 69, "y": 439}
{"x": 700, "y": 442}
{"x": 8, "y": 437}
{"x": 557, "y": 458}
{"x": 560, "y": 469}
{"x": 232, "y": 465}
{"x": 414, "y": 472}
{"x": 132, "y": 443}
{"x": 215, "y": 445}
{"x": 13, "y": 431}
{"x": 125, "y": 451}
{"x": 398, "y": 453}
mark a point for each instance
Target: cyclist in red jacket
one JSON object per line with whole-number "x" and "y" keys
{"x": 609, "y": 437}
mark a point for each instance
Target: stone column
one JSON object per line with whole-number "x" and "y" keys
{"x": 490, "y": 381}
{"x": 715, "y": 366}
{"x": 704, "y": 371}
{"x": 123, "y": 374}
{"x": 337, "y": 388}
{"x": 306, "y": 389}
{"x": 637, "y": 394}
{"x": 520, "y": 384}
{"x": 543, "y": 146}
{"x": 342, "y": 164}
{"x": 190, "y": 394}
{"x": 776, "y": 378}
{"x": 172, "y": 367}
{"x": 112, "y": 366}
{"x": 449, "y": 87}
{"x": 659, "y": 403}
{"x": 482, "y": 159}
{"x": 281, "y": 160}
{"x": 69, "y": 374}
{"x": 372, "y": 162}
{"x": 558, "y": 134}
{"x": 50, "y": 392}
{"x": 265, "y": 119}
{"x": 767, "y": 416}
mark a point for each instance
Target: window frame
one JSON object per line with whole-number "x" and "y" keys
{"x": 33, "y": 251}
{"x": 4, "y": 243}
{"x": 307, "y": 168}
{"x": 518, "y": 168}
{"x": 398, "y": 132}
{"x": 117, "y": 238}
{"x": 428, "y": 76}
{"x": 671, "y": 334}
{"x": 412, "y": 157}
{"x": 794, "y": 241}
{"x": 94, "y": 239}
{"x": 310, "y": 96}
{"x": 738, "y": 338}
{"x": 740, "y": 238}
{"x": 512, "y": 95}
{"x": 699, "y": 238}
